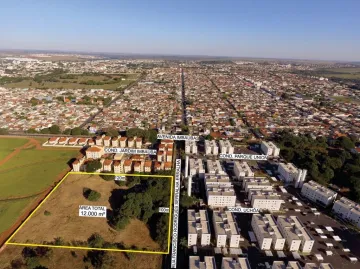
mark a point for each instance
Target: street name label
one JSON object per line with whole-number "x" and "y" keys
{"x": 92, "y": 211}
{"x": 174, "y": 242}
{"x": 164, "y": 210}
{"x": 178, "y": 137}
{"x": 244, "y": 157}
{"x": 131, "y": 151}
{"x": 244, "y": 210}
{"x": 120, "y": 178}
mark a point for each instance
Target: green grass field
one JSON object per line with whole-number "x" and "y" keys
{"x": 345, "y": 99}
{"x": 11, "y": 210}
{"x": 27, "y": 173}
{"x": 345, "y": 73}
{"x": 8, "y": 145}
{"x": 76, "y": 83}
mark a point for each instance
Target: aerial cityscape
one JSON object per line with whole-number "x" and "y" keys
{"x": 135, "y": 154}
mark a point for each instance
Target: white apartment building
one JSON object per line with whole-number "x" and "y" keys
{"x": 261, "y": 184}
{"x": 94, "y": 152}
{"x": 191, "y": 147}
{"x": 296, "y": 235}
{"x": 215, "y": 167}
{"x": 267, "y": 232}
{"x": 220, "y": 196}
{"x": 235, "y": 263}
{"x": 265, "y": 200}
{"x": 289, "y": 173}
{"x": 227, "y": 232}
{"x": 242, "y": 169}
{"x": 293, "y": 265}
{"x": 226, "y": 147}
{"x": 348, "y": 210}
{"x": 196, "y": 168}
{"x": 198, "y": 228}
{"x": 278, "y": 265}
{"x": 270, "y": 149}
{"x": 211, "y": 147}
{"x": 217, "y": 180}
{"x": 318, "y": 193}
{"x": 196, "y": 263}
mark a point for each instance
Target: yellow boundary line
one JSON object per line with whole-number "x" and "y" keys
{"x": 88, "y": 248}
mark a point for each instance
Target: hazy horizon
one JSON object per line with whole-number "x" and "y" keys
{"x": 306, "y": 30}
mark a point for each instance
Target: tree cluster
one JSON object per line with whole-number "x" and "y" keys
{"x": 142, "y": 202}
{"x": 91, "y": 195}
{"x": 92, "y": 166}
{"x": 327, "y": 161}
{"x": 149, "y": 134}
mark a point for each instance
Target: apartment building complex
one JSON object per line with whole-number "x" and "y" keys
{"x": 262, "y": 184}
{"x": 196, "y": 263}
{"x": 226, "y": 147}
{"x": 227, "y": 233}
{"x": 198, "y": 228}
{"x": 267, "y": 233}
{"x": 235, "y": 263}
{"x": 191, "y": 147}
{"x": 290, "y": 174}
{"x": 217, "y": 180}
{"x": 211, "y": 147}
{"x": 270, "y": 149}
{"x": 265, "y": 200}
{"x": 348, "y": 210}
{"x": 318, "y": 193}
{"x": 296, "y": 235}
{"x": 220, "y": 196}
{"x": 242, "y": 169}
{"x": 196, "y": 168}
{"x": 215, "y": 167}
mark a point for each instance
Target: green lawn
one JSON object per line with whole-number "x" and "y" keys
{"x": 32, "y": 178}
{"x": 31, "y": 156}
{"x": 11, "y": 210}
{"x": 7, "y": 145}
{"x": 345, "y": 99}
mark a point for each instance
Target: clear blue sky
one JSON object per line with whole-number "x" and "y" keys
{"x": 308, "y": 29}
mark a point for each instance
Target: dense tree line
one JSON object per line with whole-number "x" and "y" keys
{"x": 149, "y": 134}
{"x": 55, "y": 129}
{"x": 328, "y": 161}
{"x": 142, "y": 202}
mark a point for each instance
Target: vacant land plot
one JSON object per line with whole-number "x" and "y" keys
{"x": 65, "y": 258}
{"x": 77, "y": 81}
{"x": 62, "y": 219}
{"x": 26, "y": 171}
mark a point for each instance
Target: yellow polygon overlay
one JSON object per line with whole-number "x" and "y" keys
{"x": 89, "y": 248}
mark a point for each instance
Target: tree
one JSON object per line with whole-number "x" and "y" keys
{"x": 121, "y": 222}
{"x": 108, "y": 177}
{"x": 84, "y": 132}
{"x": 96, "y": 241}
{"x": 101, "y": 259}
{"x": 45, "y": 131}
{"x": 4, "y": 131}
{"x": 76, "y": 131}
{"x": 91, "y": 195}
{"x": 67, "y": 131}
{"x": 31, "y": 131}
{"x": 112, "y": 132}
{"x": 209, "y": 137}
{"x": 93, "y": 166}
{"x": 54, "y": 129}
{"x": 345, "y": 142}
{"x": 161, "y": 231}
{"x": 183, "y": 242}
{"x": 187, "y": 201}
